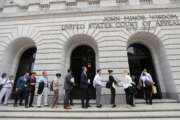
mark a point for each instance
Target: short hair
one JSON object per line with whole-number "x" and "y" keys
{"x": 98, "y": 70}
{"x": 58, "y": 74}
{"x": 69, "y": 70}
{"x": 31, "y": 73}
{"x": 110, "y": 71}
{"x": 83, "y": 68}
{"x": 145, "y": 70}
{"x": 4, "y": 75}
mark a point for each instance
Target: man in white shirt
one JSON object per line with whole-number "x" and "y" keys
{"x": 127, "y": 85}
{"x": 147, "y": 85}
{"x": 7, "y": 88}
{"x": 98, "y": 85}
{"x": 45, "y": 93}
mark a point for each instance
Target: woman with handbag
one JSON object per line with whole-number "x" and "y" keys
{"x": 112, "y": 82}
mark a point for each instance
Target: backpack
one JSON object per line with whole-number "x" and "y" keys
{"x": 148, "y": 83}
{"x": 40, "y": 88}
{"x": 51, "y": 86}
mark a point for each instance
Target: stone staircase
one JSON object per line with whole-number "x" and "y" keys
{"x": 166, "y": 111}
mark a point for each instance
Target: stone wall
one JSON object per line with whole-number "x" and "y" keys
{"x": 44, "y": 30}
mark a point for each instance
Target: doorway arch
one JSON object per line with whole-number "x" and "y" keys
{"x": 161, "y": 63}
{"x": 85, "y": 46}
{"x": 26, "y": 61}
{"x": 14, "y": 53}
{"x": 83, "y": 55}
{"x": 140, "y": 58}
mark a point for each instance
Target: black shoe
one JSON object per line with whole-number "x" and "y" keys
{"x": 89, "y": 105}
{"x": 84, "y": 107}
{"x": 39, "y": 106}
{"x": 113, "y": 106}
{"x": 21, "y": 104}
{"x": 31, "y": 106}
{"x": 99, "y": 106}
{"x": 26, "y": 106}
{"x": 133, "y": 105}
{"x": 72, "y": 104}
{"x": 67, "y": 107}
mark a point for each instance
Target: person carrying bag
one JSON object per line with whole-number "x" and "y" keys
{"x": 148, "y": 86}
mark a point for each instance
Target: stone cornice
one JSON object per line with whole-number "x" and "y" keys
{"x": 90, "y": 11}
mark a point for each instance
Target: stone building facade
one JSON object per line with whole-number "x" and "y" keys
{"x": 55, "y": 35}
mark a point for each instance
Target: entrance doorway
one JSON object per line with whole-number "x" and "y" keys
{"x": 83, "y": 56}
{"x": 140, "y": 58}
{"x": 26, "y": 62}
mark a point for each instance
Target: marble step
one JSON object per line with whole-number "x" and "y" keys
{"x": 140, "y": 112}
{"x": 91, "y": 115}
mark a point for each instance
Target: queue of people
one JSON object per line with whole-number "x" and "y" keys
{"x": 25, "y": 88}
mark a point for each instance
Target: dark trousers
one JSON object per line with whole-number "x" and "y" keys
{"x": 19, "y": 95}
{"x": 71, "y": 97}
{"x": 67, "y": 98}
{"x": 85, "y": 96}
{"x": 148, "y": 94}
{"x": 29, "y": 95}
{"x": 113, "y": 95}
{"x": 129, "y": 97}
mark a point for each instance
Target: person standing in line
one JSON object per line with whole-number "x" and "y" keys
{"x": 7, "y": 88}
{"x": 21, "y": 89}
{"x": 1, "y": 82}
{"x": 71, "y": 95}
{"x": 127, "y": 85}
{"x": 45, "y": 92}
{"x": 31, "y": 84}
{"x": 84, "y": 84}
{"x": 39, "y": 92}
{"x": 3, "y": 79}
{"x": 56, "y": 90}
{"x": 98, "y": 85}
{"x": 68, "y": 86}
{"x": 112, "y": 83}
{"x": 147, "y": 85}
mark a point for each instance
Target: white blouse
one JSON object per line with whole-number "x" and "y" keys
{"x": 97, "y": 80}
{"x": 127, "y": 81}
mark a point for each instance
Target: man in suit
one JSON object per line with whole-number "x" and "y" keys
{"x": 31, "y": 83}
{"x": 68, "y": 86}
{"x": 21, "y": 87}
{"x": 84, "y": 83}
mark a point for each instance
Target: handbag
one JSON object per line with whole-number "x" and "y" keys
{"x": 1, "y": 86}
{"x": 108, "y": 84}
{"x": 154, "y": 89}
{"x": 148, "y": 83}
